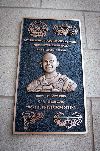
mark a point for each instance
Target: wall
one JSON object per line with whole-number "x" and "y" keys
{"x": 11, "y": 14}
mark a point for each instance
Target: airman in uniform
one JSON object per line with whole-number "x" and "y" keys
{"x": 51, "y": 81}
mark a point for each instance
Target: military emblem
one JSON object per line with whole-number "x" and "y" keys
{"x": 65, "y": 30}
{"x": 38, "y": 29}
{"x": 31, "y": 117}
{"x": 68, "y": 121}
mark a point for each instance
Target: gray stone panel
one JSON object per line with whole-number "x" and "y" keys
{"x": 10, "y": 142}
{"x": 91, "y": 5}
{"x": 91, "y": 62}
{"x": 92, "y": 23}
{"x": 20, "y": 3}
{"x": 8, "y": 68}
{"x": 11, "y": 19}
{"x": 96, "y": 122}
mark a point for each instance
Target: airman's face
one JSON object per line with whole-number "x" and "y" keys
{"x": 50, "y": 63}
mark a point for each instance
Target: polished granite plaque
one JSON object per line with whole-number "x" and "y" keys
{"x": 50, "y": 96}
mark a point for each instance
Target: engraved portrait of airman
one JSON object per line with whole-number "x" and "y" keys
{"x": 51, "y": 81}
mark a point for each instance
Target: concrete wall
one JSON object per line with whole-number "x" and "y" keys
{"x": 11, "y": 14}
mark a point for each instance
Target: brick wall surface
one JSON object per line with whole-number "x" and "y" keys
{"x": 11, "y": 14}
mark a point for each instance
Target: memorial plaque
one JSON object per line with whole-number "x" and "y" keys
{"x": 50, "y": 96}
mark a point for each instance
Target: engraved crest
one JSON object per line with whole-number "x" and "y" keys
{"x": 68, "y": 121}
{"x": 38, "y": 29}
{"x": 65, "y": 29}
{"x": 31, "y": 117}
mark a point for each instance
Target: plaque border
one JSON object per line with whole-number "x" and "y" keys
{"x": 18, "y": 66}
